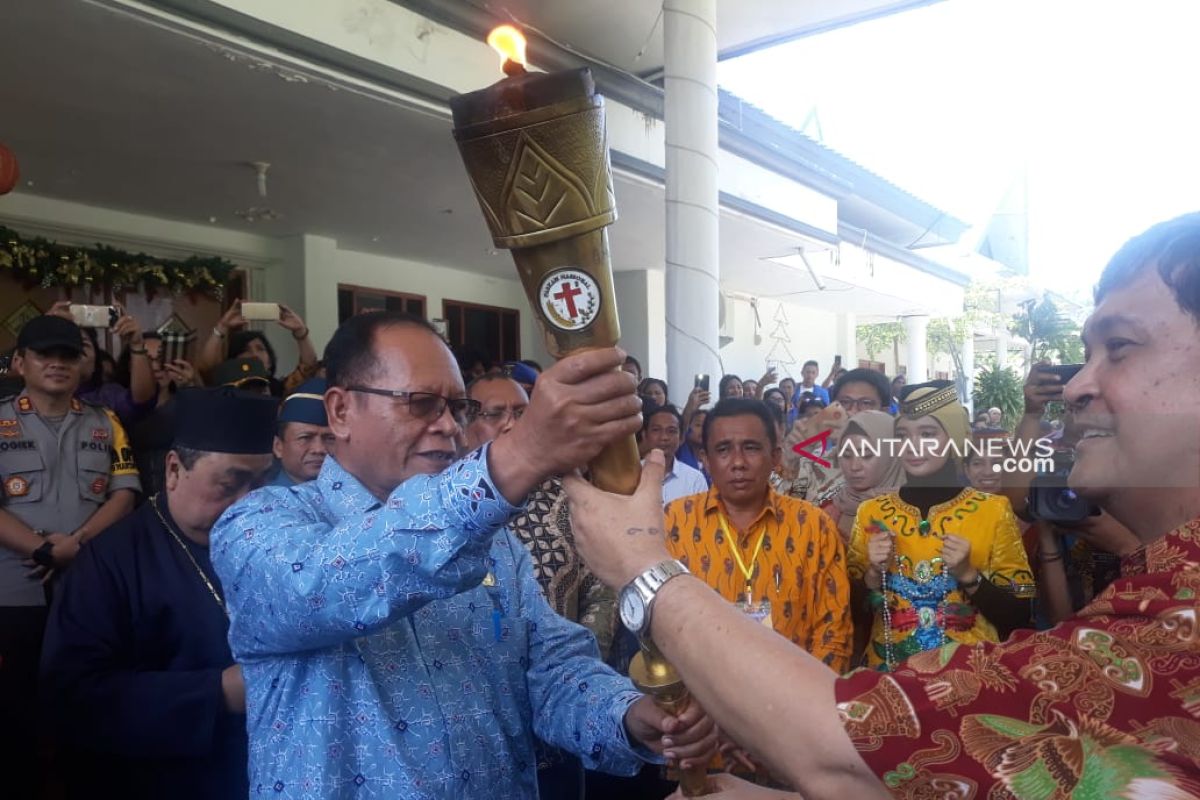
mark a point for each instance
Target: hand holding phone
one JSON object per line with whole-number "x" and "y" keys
{"x": 264, "y": 312}
{"x": 1045, "y": 385}
{"x": 94, "y": 316}
{"x": 701, "y": 381}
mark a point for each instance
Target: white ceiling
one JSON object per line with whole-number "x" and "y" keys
{"x": 109, "y": 111}
{"x": 628, "y": 33}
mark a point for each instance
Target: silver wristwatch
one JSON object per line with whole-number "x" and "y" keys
{"x": 637, "y": 598}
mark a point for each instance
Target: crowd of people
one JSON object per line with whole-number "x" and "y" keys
{"x": 383, "y": 575}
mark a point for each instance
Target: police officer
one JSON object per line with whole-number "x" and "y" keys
{"x": 66, "y": 473}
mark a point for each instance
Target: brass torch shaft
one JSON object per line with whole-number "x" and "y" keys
{"x": 618, "y": 467}
{"x": 654, "y": 675}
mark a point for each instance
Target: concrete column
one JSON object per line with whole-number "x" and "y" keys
{"x": 692, "y": 216}
{"x": 968, "y": 366}
{"x": 917, "y": 363}
{"x": 1002, "y": 346}
{"x": 640, "y": 296}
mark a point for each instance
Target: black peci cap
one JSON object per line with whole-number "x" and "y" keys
{"x": 225, "y": 420}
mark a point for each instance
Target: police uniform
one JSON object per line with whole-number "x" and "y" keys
{"x": 53, "y": 480}
{"x": 53, "y": 476}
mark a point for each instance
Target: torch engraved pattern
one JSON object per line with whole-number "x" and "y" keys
{"x": 556, "y": 180}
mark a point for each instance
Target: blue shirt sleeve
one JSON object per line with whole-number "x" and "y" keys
{"x": 325, "y": 562}
{"x": 579, "y": 702}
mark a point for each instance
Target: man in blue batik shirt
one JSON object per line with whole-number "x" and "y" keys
{"x": 392, "y": 644}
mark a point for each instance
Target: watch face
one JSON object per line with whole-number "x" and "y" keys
{"x": 633, "y": 609}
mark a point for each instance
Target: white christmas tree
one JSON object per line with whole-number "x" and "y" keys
{"x": 780, "y": 353}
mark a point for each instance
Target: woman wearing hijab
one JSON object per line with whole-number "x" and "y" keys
{"x": 869, "y": 466}
{"x": 940, "y": 561}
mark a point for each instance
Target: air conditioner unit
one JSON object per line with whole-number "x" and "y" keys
{"x": 726, "y": 319}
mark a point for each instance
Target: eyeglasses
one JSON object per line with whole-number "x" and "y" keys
{"x": 427, "y": 405}
{"x": 859, "y": 403}
{"x": 498, "y": 416}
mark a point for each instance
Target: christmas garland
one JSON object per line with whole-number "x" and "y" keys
{"x": 46, "y": 263}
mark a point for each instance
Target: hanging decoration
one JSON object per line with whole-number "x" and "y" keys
{"x": 38, "y": 261}
{"x": 9, "y": 174}
{"x": 780, "y": 354}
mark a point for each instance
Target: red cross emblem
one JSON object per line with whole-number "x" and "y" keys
{"x": 568, "y": 294}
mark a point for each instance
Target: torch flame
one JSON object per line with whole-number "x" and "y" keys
{"x": 509, "y": 43}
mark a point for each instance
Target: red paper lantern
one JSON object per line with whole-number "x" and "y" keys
{"x": 8, "y": 170}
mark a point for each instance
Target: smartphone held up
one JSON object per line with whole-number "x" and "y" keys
{"x": 94, "y": 316}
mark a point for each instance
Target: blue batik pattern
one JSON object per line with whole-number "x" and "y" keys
{"x": 402, "y": 650}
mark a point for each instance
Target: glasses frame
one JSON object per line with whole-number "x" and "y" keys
{"x": 502, "y": 414}
{"x": 469, "y": 406}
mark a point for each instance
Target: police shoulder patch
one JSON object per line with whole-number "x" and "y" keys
{"x": 16, "y": 486}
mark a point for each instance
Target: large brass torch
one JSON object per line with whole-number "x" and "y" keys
{"x": 535, "y": 148}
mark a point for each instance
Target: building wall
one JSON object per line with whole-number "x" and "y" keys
{"x": 302, "y": 271}
{"x": 325, "y": 265}
{"x": 810, "y": 333}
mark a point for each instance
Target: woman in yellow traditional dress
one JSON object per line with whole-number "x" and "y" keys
{"x": 939, "y": 561}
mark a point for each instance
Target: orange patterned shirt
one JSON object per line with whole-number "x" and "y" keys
{"x": 800, "y": 566}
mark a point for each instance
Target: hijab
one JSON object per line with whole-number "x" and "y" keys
{"x": 937, "y": 399}
{"x": 875, "y": 426}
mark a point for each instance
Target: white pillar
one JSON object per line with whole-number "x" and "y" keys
{"x": 692, "y": 254}
{"x": 914, "y": 332}
{"x": 968, "y": 367}
{"x": 1002, "y": 346}
{"x": 640, "y": 296}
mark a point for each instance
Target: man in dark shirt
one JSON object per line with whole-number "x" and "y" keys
{"x": 143, "y": 688}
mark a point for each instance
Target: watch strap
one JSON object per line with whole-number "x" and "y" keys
{"x": 44, "y": 555}
{"x": 650, "y": 582}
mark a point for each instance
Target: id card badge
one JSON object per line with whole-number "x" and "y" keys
{"x": 759, "y": 611}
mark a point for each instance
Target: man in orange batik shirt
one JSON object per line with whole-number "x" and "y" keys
{"x": 752, "y": 544}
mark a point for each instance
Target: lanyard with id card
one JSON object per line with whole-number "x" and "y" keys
{"x": 759, "y": 611}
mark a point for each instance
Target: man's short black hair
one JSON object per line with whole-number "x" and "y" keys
{"x": 810, "y": 363}
{"x": 1173, "y": 249}
{"x": 188, "y": 457}
{"x": 878, "y": 381}
{"x": 350, "y": 357}
{"x": 740, "y": 407}
{"x": 651, "y": 410}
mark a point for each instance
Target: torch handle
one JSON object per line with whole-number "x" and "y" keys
{"x": 693, "y": 781}
{"x": 615, "y": 469}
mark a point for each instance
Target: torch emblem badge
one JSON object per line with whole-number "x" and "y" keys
{"x": 569, "y": 299}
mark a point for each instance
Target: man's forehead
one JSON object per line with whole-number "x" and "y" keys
{"x": 858, "y": 388}
{"x": 1144, "y": 302}
{"x": 499, "y": 391}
